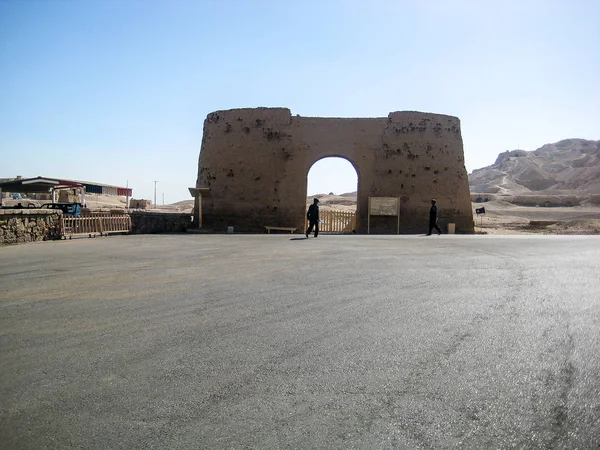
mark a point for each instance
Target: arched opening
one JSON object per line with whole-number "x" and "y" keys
{"x": 334, "y": 181}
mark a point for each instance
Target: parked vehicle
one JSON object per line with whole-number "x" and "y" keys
{"x": 72, "y": 209}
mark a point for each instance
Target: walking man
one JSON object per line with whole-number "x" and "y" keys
{"x": 313, "y": 218}
{"x": 433, "y": 218}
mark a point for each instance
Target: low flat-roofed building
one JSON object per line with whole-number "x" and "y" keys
{"x": 51, "y": 187}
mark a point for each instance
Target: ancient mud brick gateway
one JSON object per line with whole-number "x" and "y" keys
{"x": 256, "y": 161}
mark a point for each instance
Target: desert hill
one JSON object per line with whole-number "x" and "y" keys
{"x": 332, "y": 202}
{"x": 564, "y": 173}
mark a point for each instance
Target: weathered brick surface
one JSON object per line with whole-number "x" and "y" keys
{"x": 29, "y": 225}
{"x": 256, "y": 162}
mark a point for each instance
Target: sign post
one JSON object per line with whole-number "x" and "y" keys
{"x": 384, "y": 206}
{"x": 480, "y": 211}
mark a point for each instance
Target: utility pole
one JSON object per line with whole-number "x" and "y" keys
{"x": 155, "y": 193}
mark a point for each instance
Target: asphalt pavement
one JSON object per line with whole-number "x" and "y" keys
{"x": 197, "y": 341}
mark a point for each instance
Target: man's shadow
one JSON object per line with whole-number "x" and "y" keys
{"x": 298, "y": 239}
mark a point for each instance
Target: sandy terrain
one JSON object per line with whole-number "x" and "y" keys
{"x": 107, "y": 202}
{"x": 505, "y": 218}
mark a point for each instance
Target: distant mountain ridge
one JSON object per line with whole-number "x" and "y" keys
{"x": 570, "y": 167}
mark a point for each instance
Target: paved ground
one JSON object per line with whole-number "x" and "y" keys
{"x": 240, "y": 341}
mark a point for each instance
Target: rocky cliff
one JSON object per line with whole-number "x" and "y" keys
{"x": 569, "y": 168}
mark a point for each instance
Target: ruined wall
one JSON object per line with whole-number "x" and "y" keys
{"x": 256, "y": 162}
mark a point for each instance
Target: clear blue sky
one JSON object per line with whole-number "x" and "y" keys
{"x": 117, "y": 90}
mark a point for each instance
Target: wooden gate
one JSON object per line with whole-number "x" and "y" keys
{"x": 336, "y": 222}
{"x": 95, "y": 224}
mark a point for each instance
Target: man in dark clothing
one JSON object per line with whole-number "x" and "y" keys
{"x": 433, "y": 218}
{"x": 313, "y": 218}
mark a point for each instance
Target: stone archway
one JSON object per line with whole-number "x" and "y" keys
{"x": 350, "y": 166}
{"x": 255, "y": 162}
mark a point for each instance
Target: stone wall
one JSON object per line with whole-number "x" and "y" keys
{"x": 143, "y": 222}
{"x": 29, "y": 225}
{"x": 256, "y": 162}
